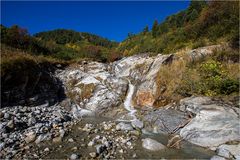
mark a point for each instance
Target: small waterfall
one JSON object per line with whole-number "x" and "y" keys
{"x": 128, "y": 101}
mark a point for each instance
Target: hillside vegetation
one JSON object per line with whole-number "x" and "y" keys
{"x": 60, "y": 44}
{"x": 202, "y": 23}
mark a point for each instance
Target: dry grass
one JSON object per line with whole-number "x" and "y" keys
{"x": 14, "y": 59}
{"x": 183, "y": 78}
{"x": 169, "y": 78}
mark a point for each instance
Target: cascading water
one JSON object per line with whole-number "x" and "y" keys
{"x": 128, "y": 101}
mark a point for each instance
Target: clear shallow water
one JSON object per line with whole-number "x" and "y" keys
{"x": 187, "y": 151}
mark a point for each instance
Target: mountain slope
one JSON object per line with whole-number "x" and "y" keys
{"x": 60, "y": 44}
{"x": 200, "y": 24}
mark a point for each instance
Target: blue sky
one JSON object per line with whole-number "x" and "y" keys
{"x": 110, "y": 19}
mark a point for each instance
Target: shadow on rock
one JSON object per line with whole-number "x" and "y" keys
{"x": 35, "y": 85}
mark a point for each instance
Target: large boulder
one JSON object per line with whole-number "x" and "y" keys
{"x": 164, "y": 120}
{"x": 214, "y": 124}
{"x": 202, "y": 52}
{"x": 93, "y": 88}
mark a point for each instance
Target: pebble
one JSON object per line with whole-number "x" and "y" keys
{"x": 93, "y": 154}
{"x": 46, "y": 149}
{"x": 57, "y": 139}
{"x": 74, "y": 156}
{"x": 134, "y": 155}
{"x": 10, "y": 124}
{"x": 91, "y": 143}
{"x": 6, "y": 116}
{"x": 70, "y": 140}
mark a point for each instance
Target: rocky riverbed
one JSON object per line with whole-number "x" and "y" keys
{"x": 109, "y": 113}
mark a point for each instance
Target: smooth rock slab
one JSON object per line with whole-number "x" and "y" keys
{"x": 213, "y": 125}
{"x": 229, "y": 151}
{"x": 152, "y": 145}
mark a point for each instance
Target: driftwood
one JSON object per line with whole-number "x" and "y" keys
{"x": 174, "y": 142}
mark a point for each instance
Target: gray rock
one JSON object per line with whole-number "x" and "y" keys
{"x": 6, "y": 116}
{"x": 31, "y": 121}
{"x": 213, "y": 125}
{"x": 164, "y": 120}
{"x": 137, "y": 124}
{"x": 217, "y": 158}
{"x": 100, "y": 148}
{"x": 229, "y": 151}
{"x": 192, "y": 104}
{"x": 74, "y": 156}
{"x": 152, "y": 145}
{"x": 2, "y": 145}
{"x": 124, "y": 126}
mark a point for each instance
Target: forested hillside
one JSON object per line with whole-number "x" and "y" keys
{"x": 61, "y": 44}
{"x": 202, "y": 23}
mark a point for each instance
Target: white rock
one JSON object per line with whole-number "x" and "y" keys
{"x": 137, "y": 124}
{"x": 152, "y": 145}
{"x": 213, "y": 125}
{"x": 124, "y": 126}
{"x": 73, "y": 156}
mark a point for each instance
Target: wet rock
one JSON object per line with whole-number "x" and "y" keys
{"x": 124, "y": 126}
{"x": 152, "y": 145}
{"x": 143, "y": 69}
{"x": 135, "y": 133}
{"x": 30, "y": 137}
{"x": 137, "y": 124}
